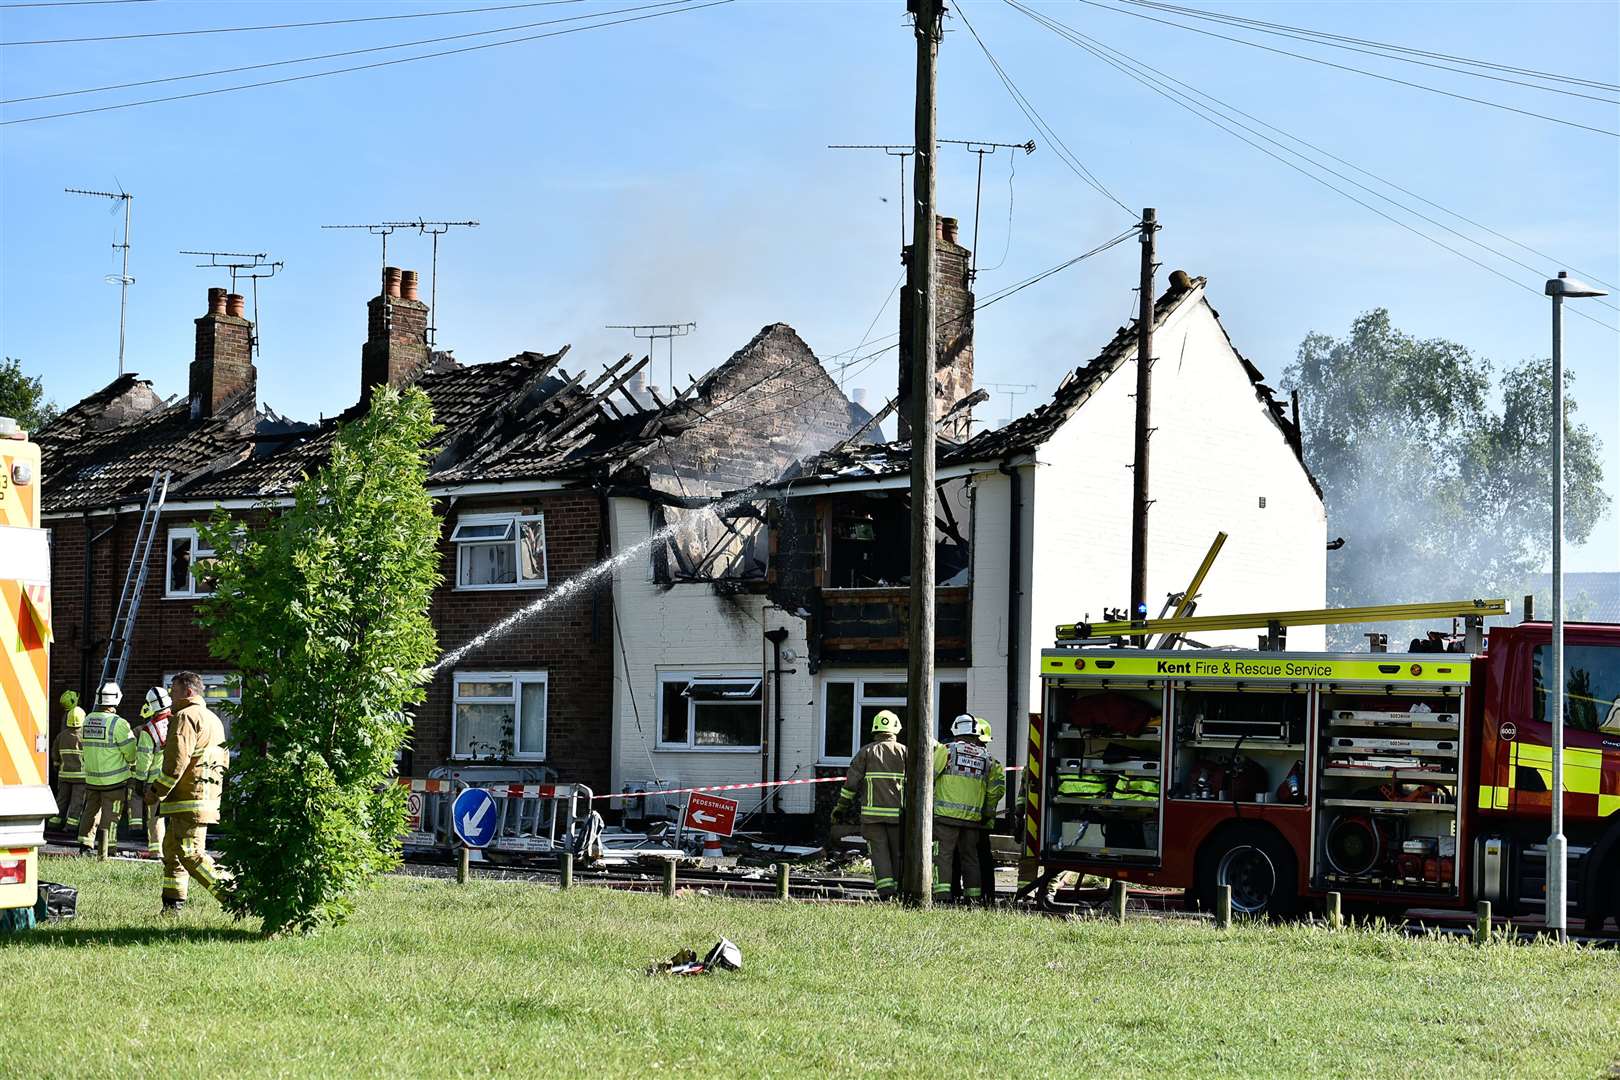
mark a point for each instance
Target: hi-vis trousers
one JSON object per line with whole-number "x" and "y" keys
{"x": 956, "y": 841}
{"x": 102, "y": 809}
{"x": 883, "y": 844}
{"x": 185, "y": 856}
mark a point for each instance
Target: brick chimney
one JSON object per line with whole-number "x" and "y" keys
{"x": 223, "y": 369}
{"x": 396, "y": 347}
{"x": 953, "y": 335}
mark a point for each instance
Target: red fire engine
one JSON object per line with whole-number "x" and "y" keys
{"x": 1399, "y": 780}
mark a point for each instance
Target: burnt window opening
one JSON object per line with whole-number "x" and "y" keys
{"x": 700, "y": 545}
{"x": 869, "y": 538}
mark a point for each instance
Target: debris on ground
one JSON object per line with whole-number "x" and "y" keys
{"x": 725, "y": 956}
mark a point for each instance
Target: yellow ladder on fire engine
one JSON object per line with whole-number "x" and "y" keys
{"x": 1100, "y": 632}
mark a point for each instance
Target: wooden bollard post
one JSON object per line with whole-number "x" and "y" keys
{"x": 567, "y": 870}
{"x": 1116, "y": 900}
{"x": 1335, "y": 912}
{"x": 1223, "y": 907}
{"x": 1482, "y": 925}
{"x": 463, "y": 865}
{"x": 782, "y": 874}
{"x": 669, "y": 877}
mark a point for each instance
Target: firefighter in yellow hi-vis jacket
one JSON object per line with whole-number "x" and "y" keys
{"x": 188, "y": 788}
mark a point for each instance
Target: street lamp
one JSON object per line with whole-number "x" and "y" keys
{"x": 1559, "y": 288}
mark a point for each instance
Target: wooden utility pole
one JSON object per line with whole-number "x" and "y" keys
{"x": 917, "y": 878}
{"x": 1144, "y": 422}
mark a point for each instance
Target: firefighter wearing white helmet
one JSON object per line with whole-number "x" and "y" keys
{"x": 961, "y": 787}
{"x": 877, "y": 774}
{"x": 150, "y": 736}
{"x": 108, "y": 748}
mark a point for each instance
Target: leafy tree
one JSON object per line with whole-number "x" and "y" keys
{"x": 22, "y": 397}
{"x": 1435, "y": 473}
{"x": 325, "y": 615}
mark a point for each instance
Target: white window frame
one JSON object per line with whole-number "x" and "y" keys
{"x": 518, "y": 679}
{"x": 746, "y": 675}
{"x": 861, "y": 680}
{"x": 514, "y": 522}
{"x": 189, "y": 532}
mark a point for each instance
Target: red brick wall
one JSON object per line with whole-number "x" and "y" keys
{"x": 572, "y": 642}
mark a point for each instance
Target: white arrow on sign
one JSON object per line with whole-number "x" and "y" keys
{"x": 704, "y": 819}
{"x": 470, "y": 822}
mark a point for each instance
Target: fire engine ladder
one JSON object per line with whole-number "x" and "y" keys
{"x": 116, "y": 664}
{"x": 1275, "y": 623}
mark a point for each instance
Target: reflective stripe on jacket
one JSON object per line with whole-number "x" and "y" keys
{"x": 149, "y": 742}
{"x": 194, "y": 761}
{"x": 69, "y": 755}
{"x": 961, "y": 781}
{"x": 108, "y": 749}
{"x": 878, "y": 773}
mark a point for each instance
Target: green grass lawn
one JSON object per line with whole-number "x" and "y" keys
{"x": 430, "y": 978}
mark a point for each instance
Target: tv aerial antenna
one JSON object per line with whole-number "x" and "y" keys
{"x": 244, "y": 266}
{"x": 122, "y": 280}
{"x": 659, "y": 332}
{"x": 434, "y": 229}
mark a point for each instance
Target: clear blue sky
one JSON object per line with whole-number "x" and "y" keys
{"x": 675, "y": 169}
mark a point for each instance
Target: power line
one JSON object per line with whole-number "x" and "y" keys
{"x": 1203, "y": 112}
{"x": 72, "y": 3}
{"x": 285, "y": 26}
{"x": 328, "y": 56}
{"x": 1380, "y": 45}
{"x": 1078, "y": 38}
{"x": 378, "y": 64}
{"x": 1028, "y": 109}
{"x": 1314, "y": 38}
{"x": 1355, "y": 70}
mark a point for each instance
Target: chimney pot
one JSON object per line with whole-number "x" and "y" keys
{"x": 216, "y": 301}
{"x": 391, "y": 277}
{"x": 407, "y": 284}
{"x": 235, "y": 306}
{"x": 947, "y": 229}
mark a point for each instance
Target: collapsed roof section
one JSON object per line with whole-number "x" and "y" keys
{"x": 1028, "y": 432}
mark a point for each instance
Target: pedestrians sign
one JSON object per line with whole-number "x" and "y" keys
{"x": 711, "y": 813}
{"x": 472, "y": 816}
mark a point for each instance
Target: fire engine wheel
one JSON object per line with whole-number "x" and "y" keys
{"x": 1257, "y": 865}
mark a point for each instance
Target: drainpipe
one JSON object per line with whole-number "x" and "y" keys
{"x": 776, "y": 637}
{"x": 1015, "y": 612}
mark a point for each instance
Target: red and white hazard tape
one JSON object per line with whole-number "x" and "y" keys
{"x": 548, "y": 791}
{"x": 718, "y": 787}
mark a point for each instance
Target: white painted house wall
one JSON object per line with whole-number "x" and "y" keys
{"x": 1214, "y": 454}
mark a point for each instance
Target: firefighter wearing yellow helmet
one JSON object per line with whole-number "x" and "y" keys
{"x": 109, "y": 756}
{"x": 877, "y": 775}
{"x": 67, "y": 755}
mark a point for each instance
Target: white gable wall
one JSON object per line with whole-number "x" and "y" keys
{"x": 1214, "y": 455}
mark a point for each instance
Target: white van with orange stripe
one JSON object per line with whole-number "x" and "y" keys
{"x": 25, "y": 635}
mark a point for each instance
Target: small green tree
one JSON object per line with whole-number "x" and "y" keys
{"x": 325, "y": 615}
{"x": 1433, "y": 469}
{"x": 22, "y": 397}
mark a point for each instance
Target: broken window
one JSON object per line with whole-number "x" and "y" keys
{"x": 702, "y": 545}
{"x": 499, "y": 715}
{"x": 869, "y": 538}
{"x": 189, "y": 561}
{"x": 500, "y": 551}
{"x": 709, "y": 711}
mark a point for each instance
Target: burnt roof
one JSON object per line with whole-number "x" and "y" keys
{"x": 1028, "y": 432}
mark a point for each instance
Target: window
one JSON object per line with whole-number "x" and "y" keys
{"x": 849, "y": 704}
{"x": 500, "y": 551}
{"x": 188, "y": 563}
{"x": 1591, "y": 686}
{"x": 499, "y": 715}
{"x": 222, "y": 693}
{"x": 709, "y": 711}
